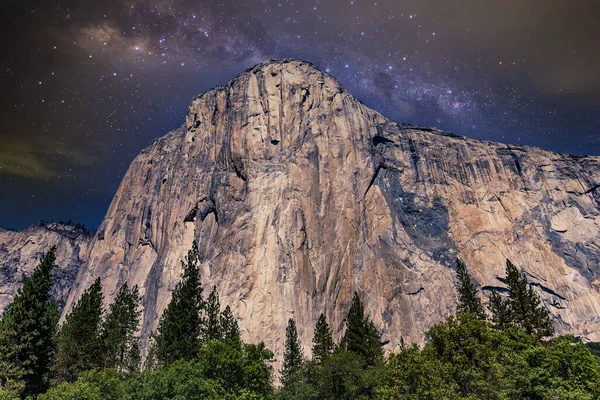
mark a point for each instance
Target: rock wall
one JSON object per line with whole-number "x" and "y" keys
{"x": 298, "y": 195}
{"x": 20, "y": 253}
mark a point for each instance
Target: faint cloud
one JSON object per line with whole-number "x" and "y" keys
{"x": 592, "y": 139}
{"x": 43, "y": 161}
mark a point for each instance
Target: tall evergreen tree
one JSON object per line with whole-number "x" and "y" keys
{"x": 79, "y": 344}
{"x": 468, "y": 298}
{"x": 522, "y": 307}
{"x": 180, "y": 330}
{"x": 27, "y": 331}
{"x": 524, "y": 304}
{"x": 323, "y": 345}
{"x": 213, "y": 314}
{"x": 134, "y": 357}
{"x": 361, "y": 336}
{"x": 501, "y": 317}
{"x": 292, "y": 354}
{"x": 119, "y": 328}
{"x": 229, "y": 326}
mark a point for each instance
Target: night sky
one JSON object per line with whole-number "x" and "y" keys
{"x": 85, "y": 85}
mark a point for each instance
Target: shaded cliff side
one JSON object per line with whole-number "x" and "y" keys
{"x": 20, "y": 253}
{"x": 298, "y": 195}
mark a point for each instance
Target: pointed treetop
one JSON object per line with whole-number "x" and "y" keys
{"x": 27, "y": 331}
{"x": 213, "y": 321}
{"x": 323, "y": 345}
{"x": 292, "y": 355}
{"x": 79, "y": 345}
{"x": 522, "y": 307}
{"x": 229, "y": 326}
{"x": 361, "y": 336}
{"x": 182, "y": 324}
{"x": 468, "y": 295}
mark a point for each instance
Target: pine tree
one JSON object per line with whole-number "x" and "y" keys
{"x": 522, "y": 307}
{"x": 501, "y": 317}
{"x": 134, "y": 357}
{"x": 361, "y": 336}
{"x": 79, "y": 345}
{"x": 27, "y": 331}
{"x": 468, "y": 301}
{"x": 292, "y": 354}
{"x": 229, "y": 326}
{"x": 213, "y": 312}
{"x": 180, "y": 330}
{"x": 524, "y": 304}
{"x": 119, "y": 328}
{"x": 323, "y": 345}
{"x": 539, "y": 322}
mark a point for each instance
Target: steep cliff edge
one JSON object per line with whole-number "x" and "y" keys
{"x": 298, "y": 195}
{"x": 20, "y": 253}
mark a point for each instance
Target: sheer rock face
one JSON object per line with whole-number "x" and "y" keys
{"x": 20, "y": 253}
{"x": 298, "y": 195}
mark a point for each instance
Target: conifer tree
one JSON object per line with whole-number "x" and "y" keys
{"x": 323, "y": 345}
{"x": 79, "y": 345}
{"x": 468, "y": 301}
{"x": 522, "y": 307}
{"x": 213, "y": 313}
{"x": 361, "y": 336}
{"x": 525, "y": 306}
{"x": 180, "y": 330}
{"x": 134, "y": 357}
{"x": 119, "y": 328}
{"x": 27, "y": 331}
{"x": 229, "y": 326}
{"x": 292, "y": 354}
{"x": 501, "y": 317}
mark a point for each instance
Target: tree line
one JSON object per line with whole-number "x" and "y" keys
{"x": 507, "y": 351}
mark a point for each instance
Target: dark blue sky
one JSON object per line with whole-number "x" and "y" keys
{"x": 86, "y": 85}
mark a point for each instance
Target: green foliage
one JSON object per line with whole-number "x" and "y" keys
{"x": 79, "y": 343}
{"x": 342, "y": 375}
{"x": 203, "y": 357}
{"x": 464, "y": 347}
{"x": 179, "y": 333}
{"x": 361, "y": 336}
{"x": 292, "y": 354}
{"x": 562, "y": 368}
{"x": 229, "y": 326}
{"x": 27, "y": 332}
{"x": 468, "y": 297}
{"x": 501, "y": 317}
{"x": 237, "y": 368}
{"x": 120, "y": 345}
{"x": 522, "y": 308}
{"x": 352, "y": 371}
{"x": 594, "y": 348}
{"x": 182, "y": 380}
{"x": 258, "y": 369}
{"x": 413, "y": 374}
{"x": 525, "y": 305}
{"x": 465, "y": 359}
{"x": 323, "y": 345}
{"x": 10, "y": 392}
{"x": 90, "y": 385}
{"x": 213, "y": 314}
{"x": 223, "y": 370}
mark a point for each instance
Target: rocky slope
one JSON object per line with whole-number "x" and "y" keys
{"x": 298, "y": 195}
{"x": 20, "y": 253}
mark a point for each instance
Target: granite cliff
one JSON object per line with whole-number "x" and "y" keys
{"x": 298, "y": 195}
{"x": 20, "y": 253}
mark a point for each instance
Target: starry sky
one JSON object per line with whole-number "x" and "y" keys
{"x": 85, "y": 85}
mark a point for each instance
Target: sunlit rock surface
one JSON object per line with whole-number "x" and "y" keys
{"x": 298, "y": 195}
